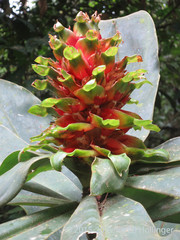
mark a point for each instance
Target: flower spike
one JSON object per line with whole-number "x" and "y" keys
{"x": 90, "y": 89}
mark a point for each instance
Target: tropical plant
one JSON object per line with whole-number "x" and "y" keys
{"x": 86, "y": 178}
{"x": 24, "y": 35}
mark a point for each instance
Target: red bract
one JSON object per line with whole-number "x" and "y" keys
{"x": 90, "y": 89}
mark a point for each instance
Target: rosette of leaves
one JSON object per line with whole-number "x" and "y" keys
{"x": 87, "y": 178}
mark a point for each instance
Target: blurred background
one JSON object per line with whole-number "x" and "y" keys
{"x": 24, "y": 29}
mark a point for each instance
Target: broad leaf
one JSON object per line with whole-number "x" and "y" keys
{"x": 105, "y": 177}
{"x": 41, "y": 224}
{"x": 117, "y": 218}
{"x": 165, "y": 182}
{"x": 139, "y": 36}
{"x": 12, "y": 181}
{"x": 130, "y": 218}
{"x": 14, "y": 103}
{"x": 85, "y": 219}
{"x": 10, "y": 142}
{"x": 143, "y": 196}
{"x": 167, "y": 209}
{"x": 11, "y": 160}
{"x": 59, "y": 183}
{"x": 37, "y": 200}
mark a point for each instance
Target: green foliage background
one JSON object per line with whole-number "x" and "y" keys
{"x": 24, "y": 36}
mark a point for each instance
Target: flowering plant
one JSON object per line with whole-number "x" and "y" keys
{"x": 87, "y": 175}
{"x": 90, "y": 88}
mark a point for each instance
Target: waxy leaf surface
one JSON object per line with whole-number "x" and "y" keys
{"x": 39, "y": 225}
{"x": 165, "y": 182}
{"x": 139, "y": 36}
{"x": 14, "y": 103}
{"x": 121, "y": 218}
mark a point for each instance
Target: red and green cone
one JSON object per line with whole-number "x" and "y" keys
{"x": 89, "y": 90}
